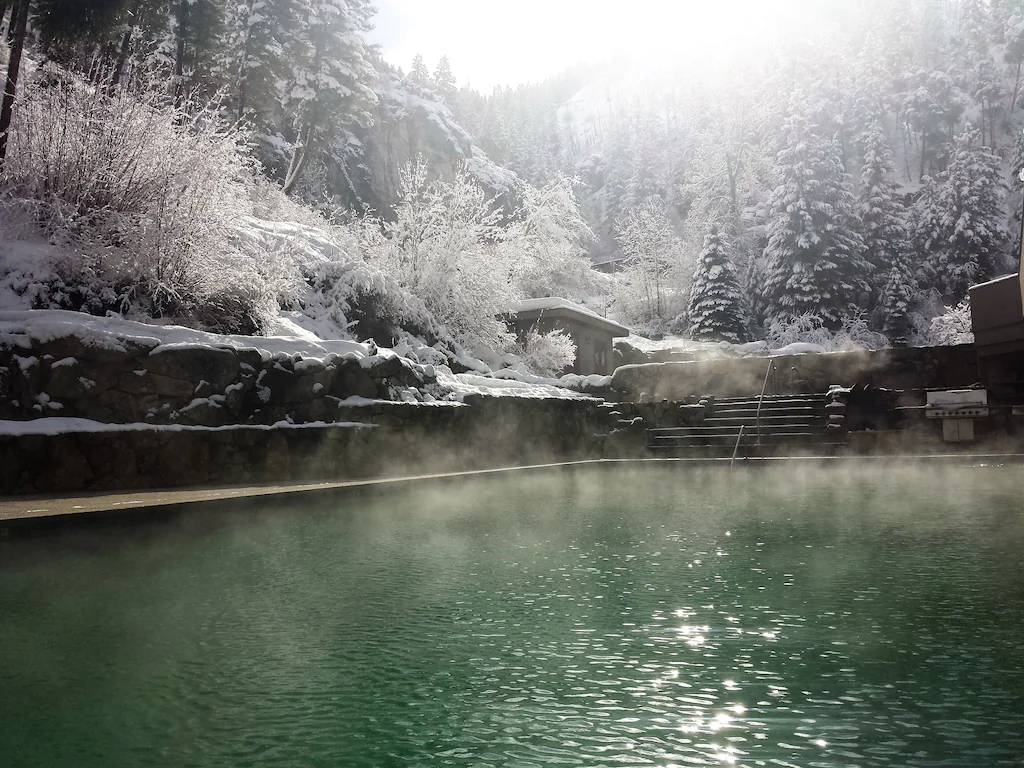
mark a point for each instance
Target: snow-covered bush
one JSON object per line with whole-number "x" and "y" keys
{"x": 953, "y": 327}
{"x": 144, "y": 207}
{"x": 548, "y": 354}
{"x": 810, "y": 328}
{"x": 445, "y": 248}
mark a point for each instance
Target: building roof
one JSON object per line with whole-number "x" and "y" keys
{"x": 532, "y": 309}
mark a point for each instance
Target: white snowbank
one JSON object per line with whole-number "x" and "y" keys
{"x": 722, "y": 349}
{"x": 27, "y": 327}
{"x": 463, "y": 384}
{"x": 59, "y": 425}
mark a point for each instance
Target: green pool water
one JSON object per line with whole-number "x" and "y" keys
{"x": 599, "y": 617}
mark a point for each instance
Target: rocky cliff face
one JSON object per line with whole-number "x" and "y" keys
{"x": 409, "y": 122}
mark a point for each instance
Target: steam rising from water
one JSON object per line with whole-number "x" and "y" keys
{"x": 596, "y": 617}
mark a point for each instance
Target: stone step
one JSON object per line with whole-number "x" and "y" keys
{"x": 726, "y": 428}
{"x": 767, "y": 418}
{"x": 750, "y": 451}
{"x": 769, "y": 405}
{"x": 657, "y": 442}
{"x": 772, "y": 398}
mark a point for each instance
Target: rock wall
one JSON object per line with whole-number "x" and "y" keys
{"x": 394, "y": 439}
{"x": 909, "y": 368}
{"x": 138, "y": 380}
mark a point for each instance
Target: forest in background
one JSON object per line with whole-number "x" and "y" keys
{"x": 847, "y": 184}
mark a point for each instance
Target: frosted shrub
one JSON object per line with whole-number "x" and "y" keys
{"x": 809, "y": 328}
{"x": 953, "y": 327}
{"x": 445, "y": 247}
{"x": 548, "y": 354}
{"x": 150, "y": 206}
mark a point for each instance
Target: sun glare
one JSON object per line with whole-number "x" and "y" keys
{"x": 488, "y": 44}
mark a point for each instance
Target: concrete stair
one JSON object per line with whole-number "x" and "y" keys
{"x": 789, "y": 425}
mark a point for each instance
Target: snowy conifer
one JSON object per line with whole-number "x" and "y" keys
{"x": 331, "y": 76}
{"x": 814, "y": 260}
{"x": 716, "y": 306}
{"x": 894, "y": 307}
{"x": 961, "y": 220}
{"x": 882, "y": 212}
{"x": 250, "y": 59}
{"x": 444, "y": 80}
{"x": 419, "y": 73}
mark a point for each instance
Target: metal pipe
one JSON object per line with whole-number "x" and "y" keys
{"x": 760, "y": 400}
{"x": 736, "y": 449}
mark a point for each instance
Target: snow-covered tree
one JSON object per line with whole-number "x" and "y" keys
{"x": 445, "y": 246}
{"x": 251, "y": 56}
{"x": 882, "y": 213}
{"x": 419, "y": 74}
{"x": 716, "y": 305}
{"x": 329, "y": 88}
{"x": 654, "y": 254}
{"x": 444, "y": 80}
{"x": 894, "y": 306}
{"x": 960, "y": 220}
{"x": 814, "y": 260}
{"x": 546, "y": 244}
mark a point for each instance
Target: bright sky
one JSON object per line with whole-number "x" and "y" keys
{"x": 508, "y": 42}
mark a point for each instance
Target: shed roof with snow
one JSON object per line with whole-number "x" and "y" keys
{"x": 557, "y": 308}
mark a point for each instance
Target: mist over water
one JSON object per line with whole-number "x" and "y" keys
{"x": 599, "y": 617}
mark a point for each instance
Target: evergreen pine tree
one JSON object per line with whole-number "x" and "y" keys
{"x": 814, "y": 260}
{"x": 716, "y": 305}
{"x": 444, "y": 80}
{"x": 250, "y": 60}
{"x": 894, "y": 307}
{"x": 960, "y": 222}
{"x": 329, "y": 90}
{"x": 419, "y": 73}
{"x": 882, "y": 212}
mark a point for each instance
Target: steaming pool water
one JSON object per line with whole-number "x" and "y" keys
{"x": 595, "y": 617}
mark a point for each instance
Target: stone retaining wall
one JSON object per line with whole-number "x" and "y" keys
{"x": 134, "y": 380}
{"x": 395, "y": 439}
{"x": 909, "y": 368}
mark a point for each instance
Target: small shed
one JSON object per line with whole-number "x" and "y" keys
{"x": 591, "y": 333}
{"x": 997, "y": 319}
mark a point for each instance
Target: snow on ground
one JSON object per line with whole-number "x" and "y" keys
{"x": 28, "y": 327}
{"x": 26, "y": 267}
{"x": 463, "y": 384}
{"x": 59, "y": 425}
{"x": 720, "y": 349}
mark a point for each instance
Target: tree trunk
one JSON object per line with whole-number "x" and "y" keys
{"x": 12, "y": 25}
{"x": 924, "y": 144}
{"x": 3, "y": 11}
{"x": 13, "y": 67}
{"x": 1016, "y": 88}
{"x": 243, "y": 70}
{"x": 299, "y": 158}
{"x": 179, "y": 59}
{"x": 122, "y": 57}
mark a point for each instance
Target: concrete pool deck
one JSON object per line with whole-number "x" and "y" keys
{"x": 15, "y": 509}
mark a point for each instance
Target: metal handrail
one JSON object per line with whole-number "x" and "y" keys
{"x": 760, "y": 399}
{"x": 736, "y": 449}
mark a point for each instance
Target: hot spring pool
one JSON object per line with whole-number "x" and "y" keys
{"x": 599, "y": 617}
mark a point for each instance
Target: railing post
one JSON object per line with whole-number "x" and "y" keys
{"x": 760, "y": 400}
{"x": 736, "y": 449}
